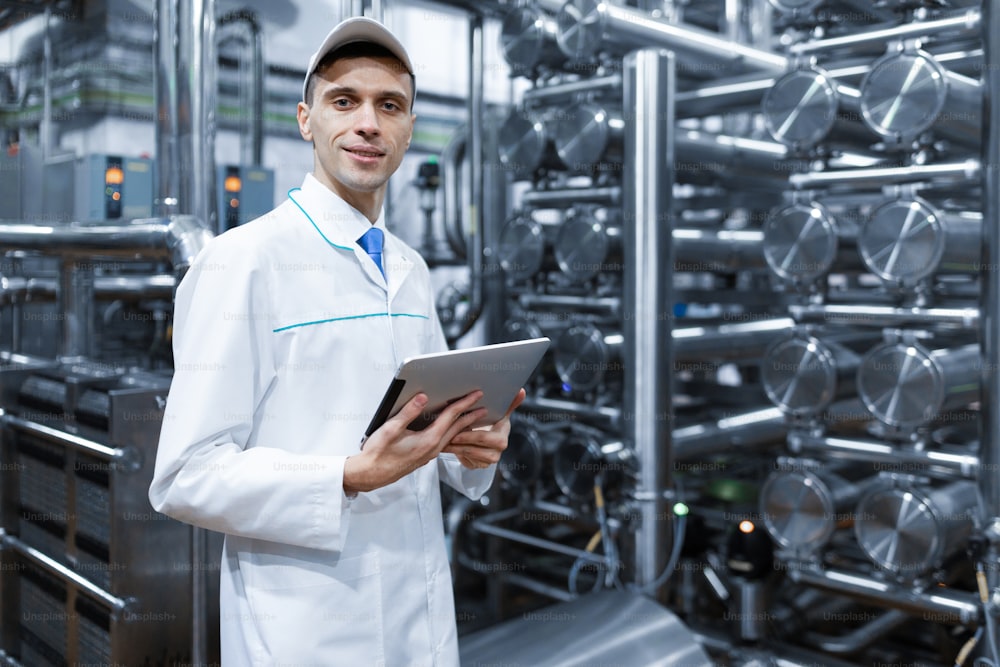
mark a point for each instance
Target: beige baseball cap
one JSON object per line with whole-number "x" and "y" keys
{"x": 357, "y": 29}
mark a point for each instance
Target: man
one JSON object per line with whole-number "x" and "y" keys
{"x": 286, "y": 334}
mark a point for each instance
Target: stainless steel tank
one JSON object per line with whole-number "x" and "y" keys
{"x": 586, "y": 246}
{"x": 528, "y": 41}
{"x": 802, "y": 506}
{"x": 805, "y": 107}
{"x": 910, "y": 529}
{"x": 906, "y": 385}
{"x": 803, "y": 242}
{"x": 803, "y": 374}
{"x": 587, "y": 357}
{"x": 604, "y": 628}
{"x": 907, "y": 240}
{"x": 587, "y": 135}
{"x": 908, "y": 93}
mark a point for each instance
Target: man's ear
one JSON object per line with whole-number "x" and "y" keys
{"x": 302, "y": 115}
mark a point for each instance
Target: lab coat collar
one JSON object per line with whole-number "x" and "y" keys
{"x": 341, "y": 225}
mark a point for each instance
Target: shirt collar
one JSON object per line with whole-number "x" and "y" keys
{"x": 339, "y": 222}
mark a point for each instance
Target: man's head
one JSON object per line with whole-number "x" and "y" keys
{"x": 356, "y": 111}
{"x": 352, "y": 37}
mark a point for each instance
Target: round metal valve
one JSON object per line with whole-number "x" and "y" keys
{"x": 800, "y": 108}
{"x": 585, "y": 357}
{"x": 521, "y": 247}
{"x": 581, "y": 25}
{"x": 902, "y": 95}
{"x": 800, "y": 375}
{"x": 522, "y": 142}
{"x": 528, "y": 40}
{"x": 586, "y": 135}
{"x": 585, "y": 247}
{"x": 800, "y": 242}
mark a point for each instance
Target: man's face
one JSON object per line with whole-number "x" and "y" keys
{"x": 360, "y": 123}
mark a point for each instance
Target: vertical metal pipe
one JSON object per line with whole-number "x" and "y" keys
{"x": 186, "y": 63}
{"x": 989, "y": 480}
{"x": 45, "y": 128}
{"x": 167, "y": 119}
{"x": 474, "y": 152}
{"x": 257, "y": 74}
{"x": 76, "y": 305}
{"x": 185, "y": 101}
{"x": 648, "y": 92}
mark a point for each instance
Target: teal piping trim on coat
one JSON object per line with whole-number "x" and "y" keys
{"x": 348, "y": 317}
{"x": 315, "y": 226}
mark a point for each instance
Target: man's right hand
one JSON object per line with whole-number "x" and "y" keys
{"x": 393, "y": 451}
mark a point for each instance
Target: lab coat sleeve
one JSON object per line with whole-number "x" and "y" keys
{"x": 205, "y": 474}
{"x": 471, "y": 483}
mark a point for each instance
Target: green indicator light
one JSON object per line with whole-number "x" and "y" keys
{"x": 680, "y": 509}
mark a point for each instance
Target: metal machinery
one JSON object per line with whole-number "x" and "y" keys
{"x": 760, "y": 235}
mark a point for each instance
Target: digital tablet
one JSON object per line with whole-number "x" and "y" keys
{"x": 498, "y": 370}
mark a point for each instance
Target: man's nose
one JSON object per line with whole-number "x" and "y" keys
{"x": 366, "y": 120}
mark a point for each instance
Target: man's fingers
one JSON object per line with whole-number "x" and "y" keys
{"x": 410, "y": 411}
{"x": 516, "y": 402}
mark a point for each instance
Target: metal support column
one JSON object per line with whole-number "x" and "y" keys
{"x": 649, "y": 151}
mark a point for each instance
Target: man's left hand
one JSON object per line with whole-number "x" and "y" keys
{"x": 482, "y": 447}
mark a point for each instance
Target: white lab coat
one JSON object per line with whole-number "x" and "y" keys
{"x": 285, "y": 337}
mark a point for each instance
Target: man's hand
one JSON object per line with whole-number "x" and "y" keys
{"x": 393, "y": 451}
{"x": 481, "y": 448}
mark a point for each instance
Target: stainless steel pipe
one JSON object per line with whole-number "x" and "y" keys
{"x": 962, "y": 24}
{"x": 948, "y": 462}
{"x": 746, "y": 429}
{"x": 875, "y": 315}
{"x": 185, "y": 66}
{"x": 909, "y": 93}
{"x": 907, "y": 240}
{"x": 587, "y": 25}
{"x": 906, "y": 385}
{"x": 650, "y": 82}
{"x": 941, "y": 604}
{"x": 177, "y": 239}
{"x": 908, "y": 529}
{"x": 966, "y": 172}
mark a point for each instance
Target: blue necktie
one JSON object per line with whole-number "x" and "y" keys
{"x": 371, "y": 241}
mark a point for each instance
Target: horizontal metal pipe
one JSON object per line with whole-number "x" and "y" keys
{"x": 161, "y": 286}
{"x": 555, "y": 301}
{"x": 735, "y": 340}
{"x": 62, "y": 438}
{"x": 699, "y": 250}
{"x": 884, "y": 316}
{"x": 952, "y": 462}
{"x": 568, "y": 196}
{"x": 532, "y": 584}
{"x": 737, "y": 431}
{"x": 177, "y": 239}
{"x": 604, "y": 416}
{"x": 584, "y": 26}
{"x": 486, "y": 525}
{"x": 963, "y": 24}
{"x": 559, "y": 92}
{"x": 942, "y": 604}
{"x": 966, "y": 172}
{"x": 860, "y": 637}
{"x": 92, "y": 590}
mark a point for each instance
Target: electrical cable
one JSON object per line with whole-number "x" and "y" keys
{"x": 991, "y": 630}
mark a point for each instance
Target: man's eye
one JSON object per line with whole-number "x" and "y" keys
{"x": 341, "y": 102}
{"x": 390, "y": 106}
